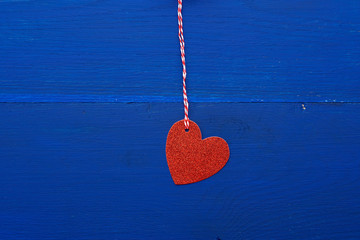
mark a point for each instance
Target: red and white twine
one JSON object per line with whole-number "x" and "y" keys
{"x": 182, "y": 50}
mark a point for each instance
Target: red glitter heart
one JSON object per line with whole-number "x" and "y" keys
{"x": 192, "y": 159}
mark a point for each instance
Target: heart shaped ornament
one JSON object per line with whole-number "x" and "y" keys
{"x": 192, "y": 159}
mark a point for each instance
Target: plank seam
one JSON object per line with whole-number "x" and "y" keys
{"x": 59, "y": 98}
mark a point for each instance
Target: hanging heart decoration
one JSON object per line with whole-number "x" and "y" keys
{"x": 191, "y": 158}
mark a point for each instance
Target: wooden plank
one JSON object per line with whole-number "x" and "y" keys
{"x": 248, "y": 51}
{"x": 98, "y": 171}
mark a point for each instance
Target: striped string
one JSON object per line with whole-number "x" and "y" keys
{"x": 182, "y": 50}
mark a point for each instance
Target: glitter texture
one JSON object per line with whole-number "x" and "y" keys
{"x": 192, "y": 159}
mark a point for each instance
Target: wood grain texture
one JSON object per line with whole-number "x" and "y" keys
{"x": 89, "y": 90}
{"x": 248, "y": 50}
{"x": 98, "y": 171}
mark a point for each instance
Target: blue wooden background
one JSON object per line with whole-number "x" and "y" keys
{"x": 90, "y": 88}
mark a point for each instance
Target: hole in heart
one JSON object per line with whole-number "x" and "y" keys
{"x": 186, "y": 130}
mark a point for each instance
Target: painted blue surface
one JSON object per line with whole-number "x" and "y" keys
{"x": 98, "y": 171}
{"x": 89, "y": 90}
{"x": 288, "y": 50}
